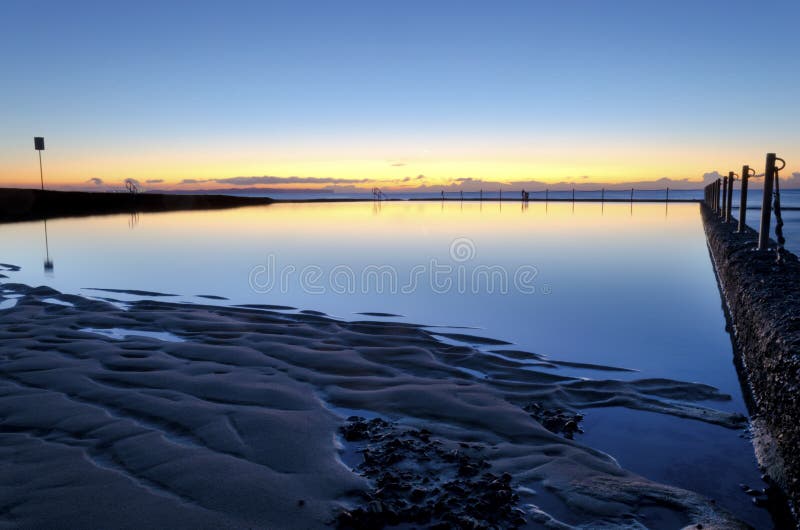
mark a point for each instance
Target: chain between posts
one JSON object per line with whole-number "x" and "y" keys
{"x": 779, "y": 250}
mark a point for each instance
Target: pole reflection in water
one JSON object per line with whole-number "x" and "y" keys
{"x": 133, "y": 220}
{"x": 48, "y": 263}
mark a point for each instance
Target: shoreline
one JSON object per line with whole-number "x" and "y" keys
{"x": 135, "y": 400}
{"x": 761, "y": 302}
{"x": 21, "y": 204}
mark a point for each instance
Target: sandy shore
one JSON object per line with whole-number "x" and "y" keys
{"x": 154, "y": 414}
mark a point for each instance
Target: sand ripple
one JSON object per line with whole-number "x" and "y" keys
{"x": 236, "y": 424}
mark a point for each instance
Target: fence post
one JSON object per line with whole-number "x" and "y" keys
{"x": 667, "y": 194}
{"x": 724, "y": 197}
{"x": 713, "y": 198}
{"x": 743, "y": 198}
{"x": 717, "y": 189}
{"x": 729, "y": 202}
{"x": 631, "y": 194}
{"x": 766, "y": 203}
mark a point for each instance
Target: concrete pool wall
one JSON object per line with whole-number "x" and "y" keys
{"x": 763, "y": 302}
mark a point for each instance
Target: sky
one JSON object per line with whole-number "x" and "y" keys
{"x": 182, "y": 95}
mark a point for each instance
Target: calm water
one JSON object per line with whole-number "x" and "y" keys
{"x": 612, "y": 284}
{"x": 790, "y": 198}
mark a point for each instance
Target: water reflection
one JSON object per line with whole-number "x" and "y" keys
{"x": 48, "y": 263}
{"x": 612, "y": 288}
{"x": 133, "y": 220}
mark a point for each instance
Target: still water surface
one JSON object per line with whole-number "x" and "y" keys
{"x": 616, "y": 284}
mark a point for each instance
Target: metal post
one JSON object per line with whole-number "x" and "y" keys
{"x": 573, "y": 194}
{"x": 667, "y": 195}
{"x": 724, "y": 197}
{"x": 743, "y": 198}
{"x": 546, "y": 194}
{"x": 729, "y": 202}
{"x": 631, "y": 194}
{"x": 41, "y": 174}
{"x": 715, "y": 192}
{"x": 766, "y": 203}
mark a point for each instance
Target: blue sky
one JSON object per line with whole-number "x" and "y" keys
{"x": 615, "y": 91}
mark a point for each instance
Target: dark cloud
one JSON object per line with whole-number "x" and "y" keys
{"x": 154, "y": 181}
{"x": 96, "y": 181}
{"x": 269, "y": 179}
{"x": 248, "y": 181}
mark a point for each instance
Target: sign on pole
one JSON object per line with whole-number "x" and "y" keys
{"x": 38, "y": 144}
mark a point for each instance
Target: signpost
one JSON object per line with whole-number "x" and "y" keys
{"x": 38, "y": 144}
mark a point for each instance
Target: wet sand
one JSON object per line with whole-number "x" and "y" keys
{"x": 161, "y": 414}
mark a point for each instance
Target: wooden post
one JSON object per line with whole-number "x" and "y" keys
{"x": 766, "y": 203}
{"x": 717, "y": 184}
{"x": 743, "y": 198}
{"x": 729, "y": 202}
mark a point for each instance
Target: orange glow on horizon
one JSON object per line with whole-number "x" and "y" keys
{"x": 391, "y": 169}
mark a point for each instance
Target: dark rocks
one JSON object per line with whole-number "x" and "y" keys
{"x": 557, "y": 420}
{"x": 419, "y": 480}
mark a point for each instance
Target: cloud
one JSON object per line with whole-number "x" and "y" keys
{"x": 398, "y": 164}
{"x": 711, "y": 176}
{"x": 192, "y": 181}
{"x": 96, "y": 181}
{"x": 791, "y": 181}
{"x": 154, "y": 181}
